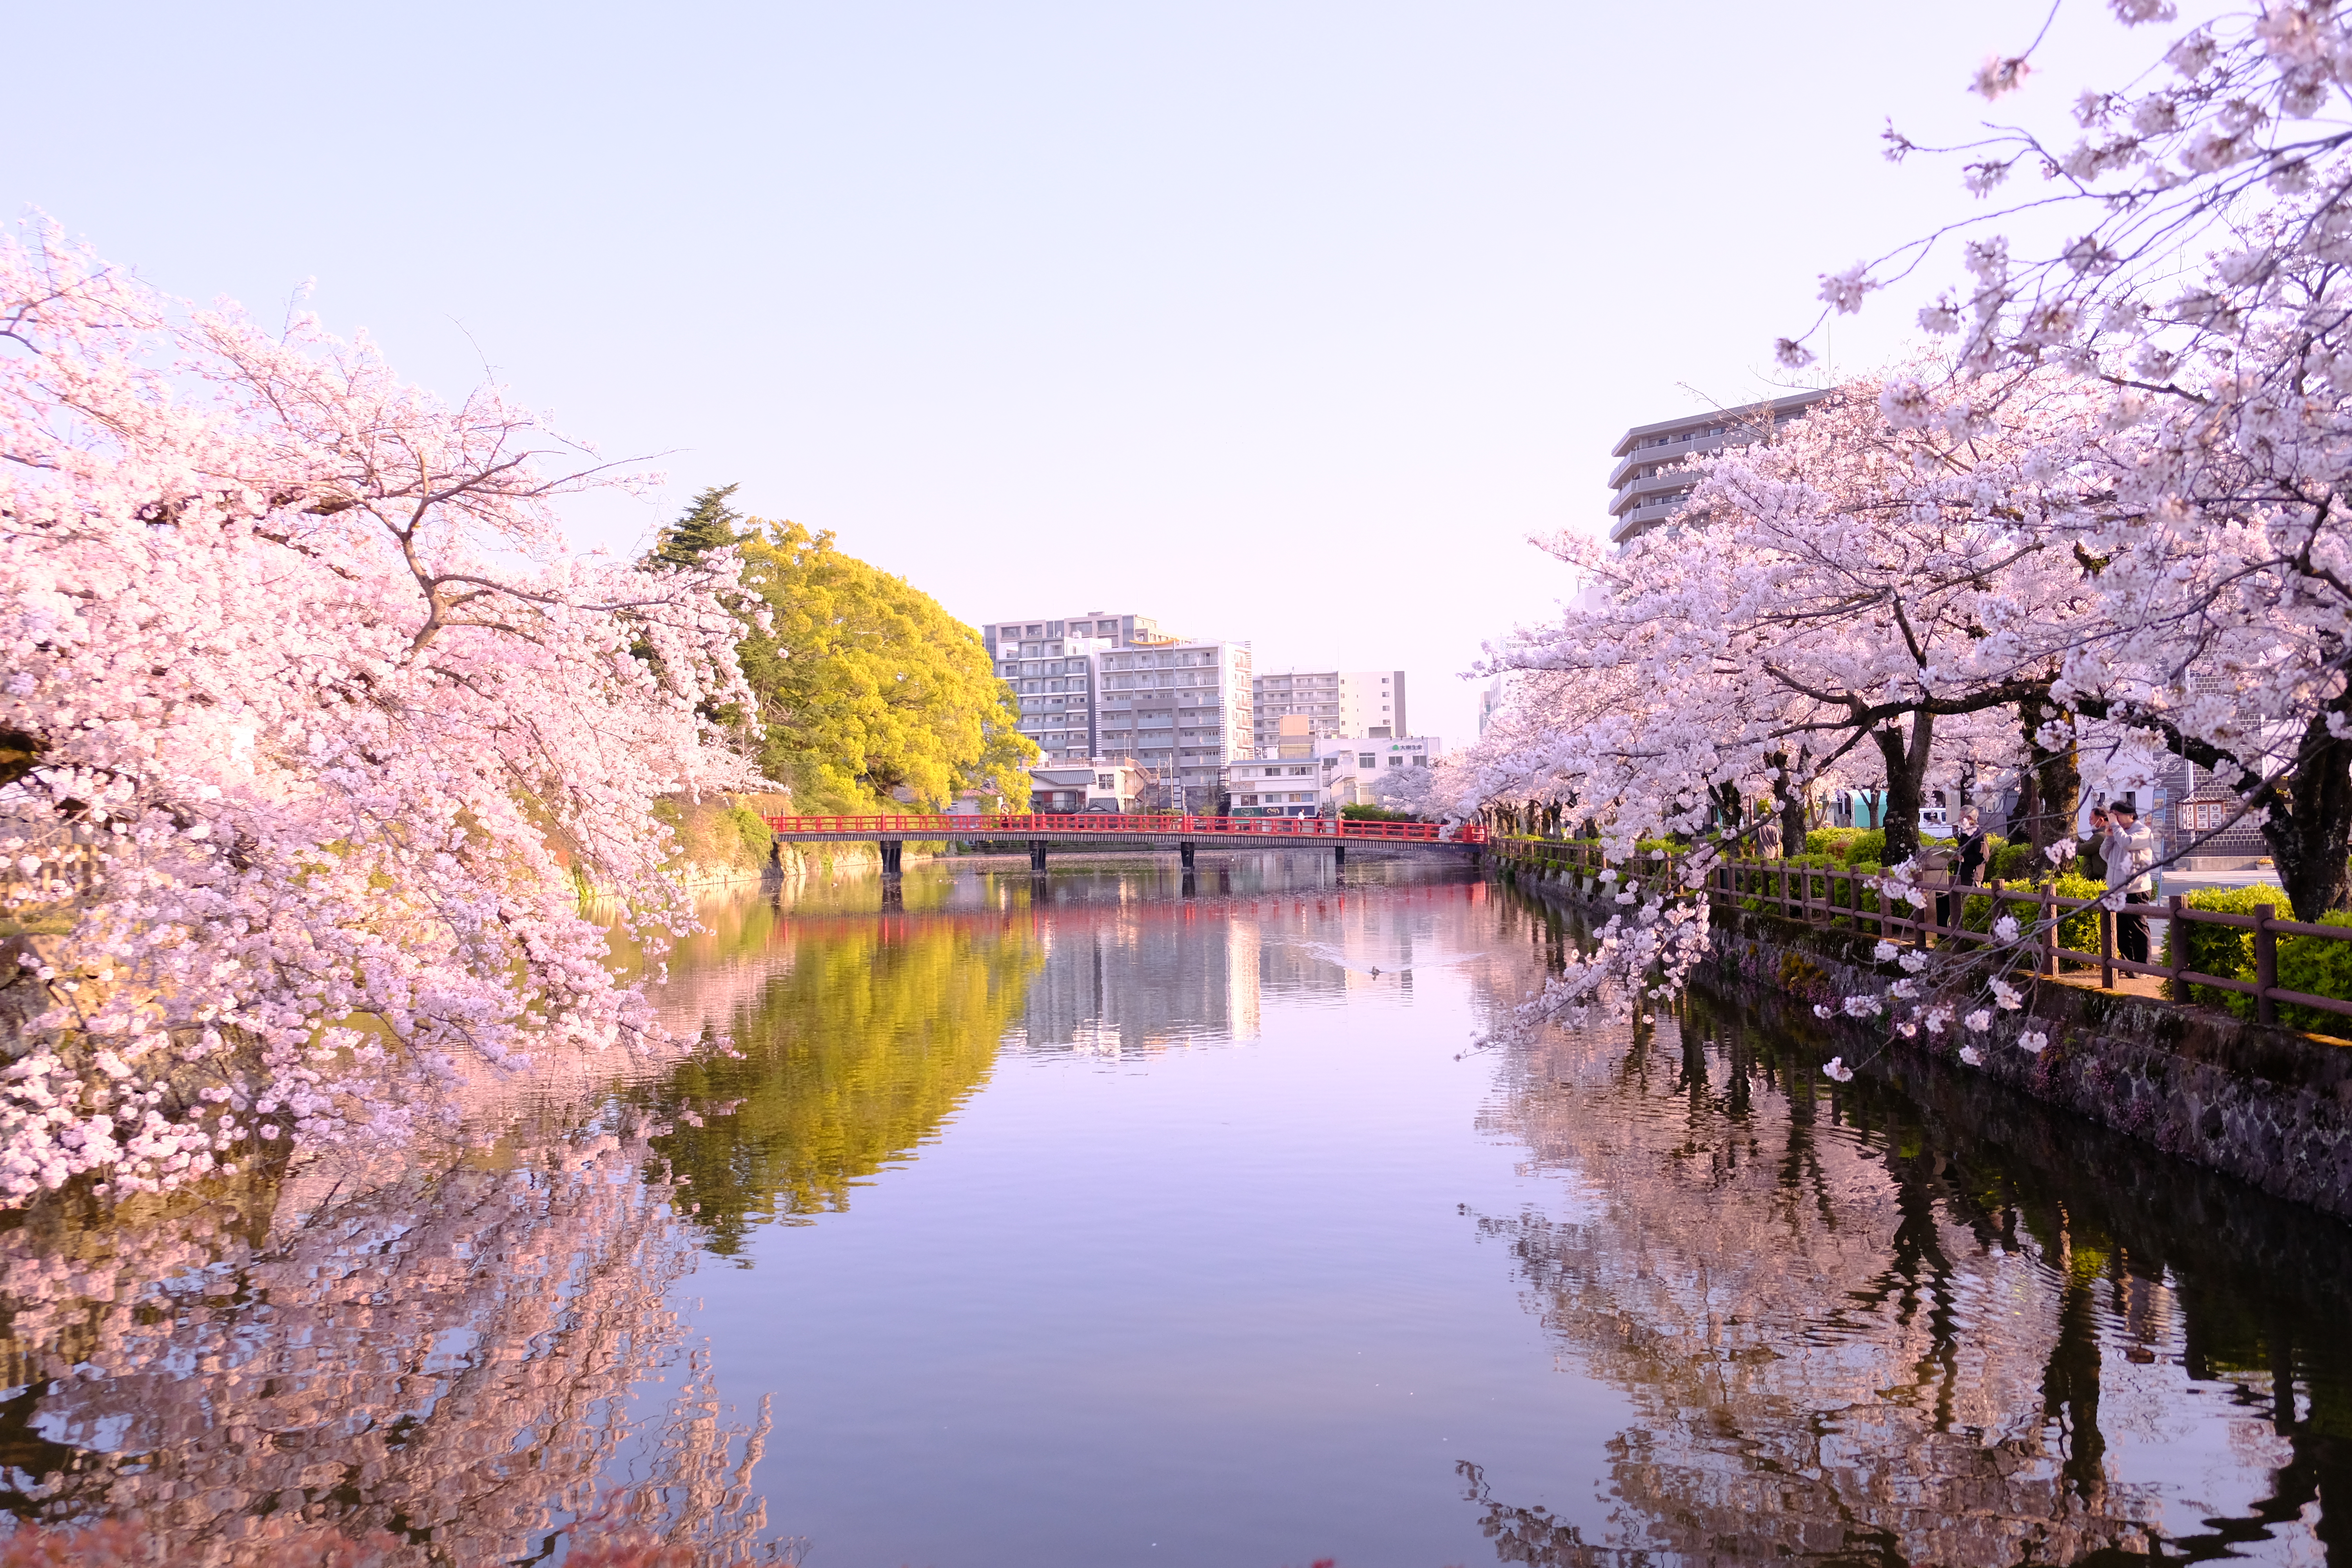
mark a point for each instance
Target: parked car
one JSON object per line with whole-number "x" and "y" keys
{"x": 1935, "y": 822}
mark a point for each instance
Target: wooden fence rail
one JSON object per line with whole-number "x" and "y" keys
{"x": 1769, "y": 884}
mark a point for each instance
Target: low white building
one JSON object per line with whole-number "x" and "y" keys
{"x": 1086, "y": 787}
{"x": 1337, "y": 772}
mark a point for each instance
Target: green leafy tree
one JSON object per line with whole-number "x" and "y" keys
{"x": 866, "y": 686}
{"x": 706, "y": 525}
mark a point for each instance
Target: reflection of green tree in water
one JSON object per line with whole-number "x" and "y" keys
{"x": 851, "y": 1056}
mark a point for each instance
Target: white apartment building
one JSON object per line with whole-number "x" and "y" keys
{"x": 1179, "y": 709}
{"x": 1341, "y": 771}
{"x": 1053, "y": 666}
{"x": 1650, "y": 482}
{"x": 1333, "y": 702}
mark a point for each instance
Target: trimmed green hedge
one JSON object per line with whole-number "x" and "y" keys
{"x": 2078, "y": 930}
{"x": 1847, "y": 843}
{"x": 2315, "y": 965}
{"x": 2017, "y": 862}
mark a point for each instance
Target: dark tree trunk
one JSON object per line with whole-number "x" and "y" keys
{"x": 1730, "y": 811}
{"x": 2056, "y": 778}
{"x": 1790, "y": 792}
{"x": 2310, "y": 825}
{"x": 2018, "y": 828}
{"x": 1796, "y": 821}
{"x": 1907, "y": 782}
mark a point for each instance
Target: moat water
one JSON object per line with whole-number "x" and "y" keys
{"x": 1102, "y": 1220}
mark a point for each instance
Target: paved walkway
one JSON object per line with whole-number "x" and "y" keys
{"x": 2170, "y": 882}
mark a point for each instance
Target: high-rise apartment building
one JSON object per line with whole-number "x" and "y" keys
{"x": 1181, "y": 709}
{"x": 1051, "y": 665}
{"x": 1333, "y": 703}
{"x": 1649, "y": 487}
{"x": 1114, "y": 686}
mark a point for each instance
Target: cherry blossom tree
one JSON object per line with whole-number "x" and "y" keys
{"x": 1851, "y": 581}
{"x": 2196, "y": 284}
{"x": 299, "y": 672}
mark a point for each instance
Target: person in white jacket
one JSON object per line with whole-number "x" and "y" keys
{"x": 2130, "y": 850}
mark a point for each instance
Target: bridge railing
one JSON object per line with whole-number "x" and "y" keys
{"x": 1086, "y": 825}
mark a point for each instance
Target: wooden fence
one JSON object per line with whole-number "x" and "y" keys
{"x": 1787, "y": 891}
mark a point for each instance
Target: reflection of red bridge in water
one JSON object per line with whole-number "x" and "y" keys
{"x": 1104, "y": 830}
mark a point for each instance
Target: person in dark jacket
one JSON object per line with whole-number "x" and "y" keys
{"x": 1970, "y": 869}
{"x": 2091, "y": 860}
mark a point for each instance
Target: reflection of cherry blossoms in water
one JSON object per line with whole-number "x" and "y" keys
{"x": 446, "y": 1351}
{"x": 1854, "y": 1327}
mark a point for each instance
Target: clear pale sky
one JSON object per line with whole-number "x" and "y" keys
{"x": 1283, "y": 323}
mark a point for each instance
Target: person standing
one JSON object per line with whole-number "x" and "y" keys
{"x": 2091, "y": 860}
{"x": 1768, "y": 838}
{"x": 1972, "y": 846}
{"x": 2130, "y": 852}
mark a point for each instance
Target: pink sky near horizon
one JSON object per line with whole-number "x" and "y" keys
{"x": 1280, "y": 324}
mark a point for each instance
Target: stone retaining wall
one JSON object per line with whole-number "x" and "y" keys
{"x": 2270, "y": 1106}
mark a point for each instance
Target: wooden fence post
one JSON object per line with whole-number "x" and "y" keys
{"x": 2265, "y": 964}
{"x": 2049, "y": 929}
{"x": 2175, "y": 947}
{"x": 2107, "y": 947}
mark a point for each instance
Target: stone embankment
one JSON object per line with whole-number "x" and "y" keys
{"x": 2270, "y": 1106}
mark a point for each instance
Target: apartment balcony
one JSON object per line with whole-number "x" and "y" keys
{"x": 1671, "y": 452}
{"x": 1641, "y": 520}
{"x": 1639, "y": 493}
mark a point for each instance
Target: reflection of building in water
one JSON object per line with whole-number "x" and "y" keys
{"x": 1147, "y": 974}
{"x": 1145, "y": 977}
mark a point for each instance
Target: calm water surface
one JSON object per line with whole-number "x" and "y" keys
{"x": 1093, "y": 1221}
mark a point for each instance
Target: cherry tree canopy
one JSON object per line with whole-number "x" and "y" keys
{"x": 298, "y": 671}
{"x": 2198, "y": 287}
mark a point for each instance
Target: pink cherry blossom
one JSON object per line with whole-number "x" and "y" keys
{"x": 305, "y": 679}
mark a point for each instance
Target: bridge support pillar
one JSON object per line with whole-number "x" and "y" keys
{"x": 1338, "y": 855}
{"x": 893, "y": 851}
{"x": 1184, "y": 848}
{"x": 1036, "y": 854}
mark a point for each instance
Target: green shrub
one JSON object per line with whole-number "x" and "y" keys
{"x": 759, "y": 839}
{"x": 2077, "y": 930}
{"x": 2016, "y": 862}
{"x": 1375, "y": 814}
{"x": 2315, "y": 965}
{"x": 1847, "y": 843}
{"x": 2219, "y": 950}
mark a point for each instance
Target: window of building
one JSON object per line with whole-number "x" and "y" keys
{"x": 1366, "y": 760}
{"x": 1396, "y": 762}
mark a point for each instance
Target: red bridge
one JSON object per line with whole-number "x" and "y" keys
{"x": 1070, "y": 830}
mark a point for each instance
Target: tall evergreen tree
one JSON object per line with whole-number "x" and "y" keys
{"x": 706, "y": 525}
